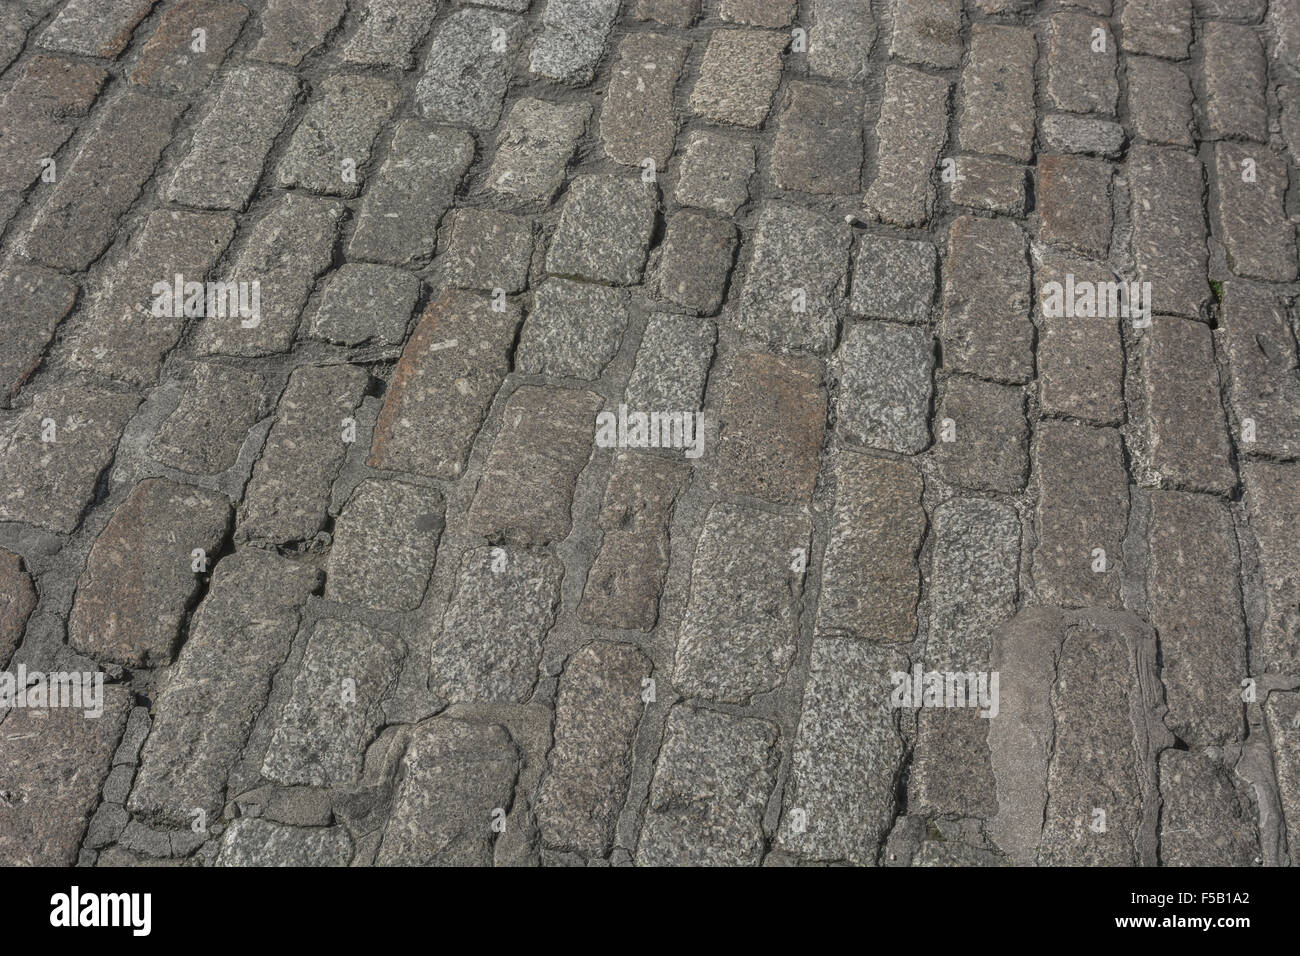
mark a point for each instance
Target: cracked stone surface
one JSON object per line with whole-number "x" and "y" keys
{"x": 662, "y": 432}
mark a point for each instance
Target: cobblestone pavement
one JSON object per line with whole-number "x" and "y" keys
{"x": 363, "y": 539}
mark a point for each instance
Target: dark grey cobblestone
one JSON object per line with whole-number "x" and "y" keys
{"x": 738, "y": 634}
{"x": 1188, "y": 441}
{"x": 911, "y": 131}
{"x": 997, "y": 92}
{"x": 533, "y": 148}
{"x": 1081, "y": 64}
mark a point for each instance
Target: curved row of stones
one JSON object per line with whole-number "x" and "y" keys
{"x": 367, "y": 591}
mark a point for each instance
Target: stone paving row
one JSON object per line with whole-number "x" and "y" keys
{"x": 659, "y": 432}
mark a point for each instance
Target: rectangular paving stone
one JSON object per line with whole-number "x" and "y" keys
{"x": 1273, "y": 508}
{"x": 425, "y": 427}
{"x": 1080, "y": 357}
{"x": 292, "y": 29}
{"x": 709, "y": 792}
{"x": 989, "y": 443}
{"x": 527, "y": 484}
{"x": 604, "y": 230}
{"x": 1196, "y": 611}
{"x": 365, "y": 304}
{"x": 672, "y": 363}
{"x": 912, "y": 129}
{"x": 1159, "y": 101}
{"x": 389, "y": 31}
{"x": 1203, "y": 820}
{"x": 252, "y": 841}
{"x": 1169, "y": 228}
{"x": 997, "y": 92}
{"x": 1259, "y": 238}
{"x": 738, "y": 635}
{"x": 95, "y": 27}
{"x": 454, "y": 777}
{"x": 973, "y": 590}
{"x": 1079, "y": 133}
{"x": 57, "y": 86}
{"x": 597, "y": 707}
{"x": 534, "y": 147}
{"x": 974, "y": 582}
{"x": 572, "y": 39}
{"x": 798, "y": 264}
{"x": 49, "y": 483}
{"x": 1075, "y": 205}
{"x": 1263, "y": 384}
{"x": 117, "y": 157}
{"x": 637, "y": 120}
{"x": 927, "y": 32}
{"x": 1025, "y": 653}
{"x": 847, "y": 755}
{"x": 1188, "y": 440}
{"x": 239, "y": 637}
{"x": 870, "y": 579}
{"x": 1158, "y": 27}
{"x": 985, "y": 327}
{"x": 225, "y": 160}
{"x": 1081, "y": 64}
{"x": 141, "y": 577}
{"x": 468, "y": 67}
{"x": 884, "y": 375}
{"x": 116, "y": 332}
{"x": 489, "y": 250}
{"x": 38, "y": 300}
{"x": 573, "y": 330}
{"x": 818, "y": 144}
{"x": 330, "y": 148}
{"x": 1281, "y": 711}
{"x": 384, "y": 544}
{"x": 204, "y": 434}
{"x": 993, "y": 185}
{"x": 715, "y": 172}
{"x": 841, "y": 37}
{"x": 771, "y": 423}
{"x": 893, "y": 279}
{"x": 1098, "y": 761}
{"x": 489, "y": 642}
{"x": 627, "y": 576}
{"x": 695, "y": 259}
{"x": 169, "y": 62}
{"x": 398, "y": 223}
{"x": 1082, "y": 509}
{"x": 284, "y": 252}
{"x": 288, "y": 494}
{"x": 322, "y": 732}
{"x": 16, "y": 605}
{"x": 51, "y": 768}
{"x": 1235, "y": 79}
{"x": 738, "y": 76}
